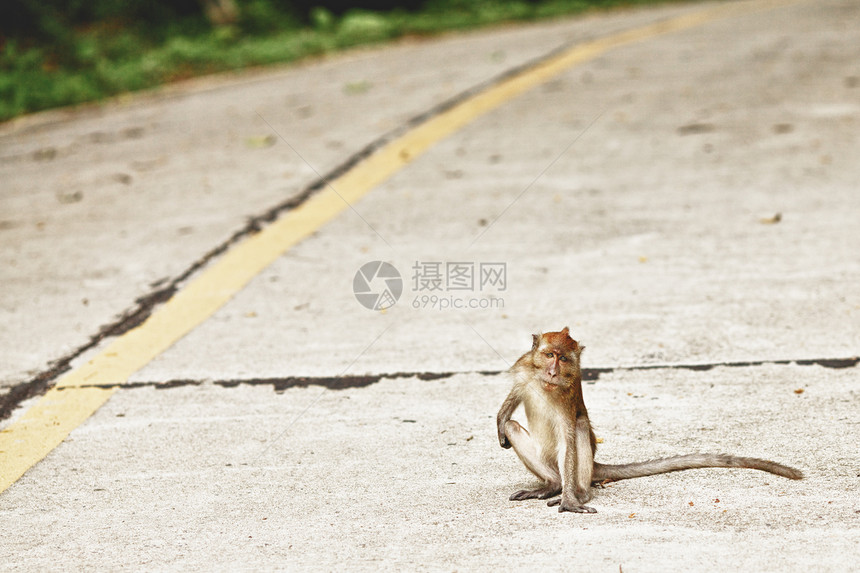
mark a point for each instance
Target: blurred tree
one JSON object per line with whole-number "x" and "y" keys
{"x": 220, "y": 12}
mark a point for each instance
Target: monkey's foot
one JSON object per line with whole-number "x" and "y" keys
{"x": 576, "y": 509}
{"x": 572, "y": 507}
{"x": 545, "y": 492}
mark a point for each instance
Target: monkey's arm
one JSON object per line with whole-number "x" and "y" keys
{"x": 505, "y": 412}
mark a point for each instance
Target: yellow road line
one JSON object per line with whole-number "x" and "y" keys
{"x": 79, "y": 393}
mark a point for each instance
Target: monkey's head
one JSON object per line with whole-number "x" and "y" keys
{"x": 555, "y": 356}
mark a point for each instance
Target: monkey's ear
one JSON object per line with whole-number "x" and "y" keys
{"x": 565, "y": 331}
{"x": 535, "y": 340}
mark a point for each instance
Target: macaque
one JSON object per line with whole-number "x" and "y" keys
{"x": 559, "y": 445}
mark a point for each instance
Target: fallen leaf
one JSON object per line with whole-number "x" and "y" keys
{"x": 771, "y": 220}
{"x": 45, "y": 154}
{"x": 799, "y": 391}
{"x": 691, "y": 504}
{"x": 67, "y": 198}
{"x": 696, "y": 128}
{"x": 631, "y": 516}
{"x": 355, "y": 88}
{"x": 260, "y": 141}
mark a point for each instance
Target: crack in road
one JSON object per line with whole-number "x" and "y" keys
{"x": 589, "y": 375}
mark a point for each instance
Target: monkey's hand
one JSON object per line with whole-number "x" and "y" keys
{"x": 501, "y": 422}
{"x": 572, "y": 505}
{"x": 503, "y": 439}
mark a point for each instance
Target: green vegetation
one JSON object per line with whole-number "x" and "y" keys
{"x": 61, "y": 52}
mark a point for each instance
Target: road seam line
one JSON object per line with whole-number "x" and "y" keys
{"x": 589, "y": 374}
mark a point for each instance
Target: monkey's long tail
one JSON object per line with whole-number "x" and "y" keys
{"x": 612, "y": 472}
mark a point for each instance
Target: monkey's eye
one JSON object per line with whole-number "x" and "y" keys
{"x": 563, "y": 358}
{"x": 549, "y": 354}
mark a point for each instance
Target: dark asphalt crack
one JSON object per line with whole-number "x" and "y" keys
{"x": 589, "y": 375}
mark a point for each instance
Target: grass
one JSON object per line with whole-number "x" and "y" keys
{"x": 107, "y": 58}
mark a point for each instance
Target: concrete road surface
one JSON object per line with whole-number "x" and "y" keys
{"x": 679, "y": 185}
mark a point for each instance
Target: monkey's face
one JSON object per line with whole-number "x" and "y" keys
{"x": 556, "y": 356}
